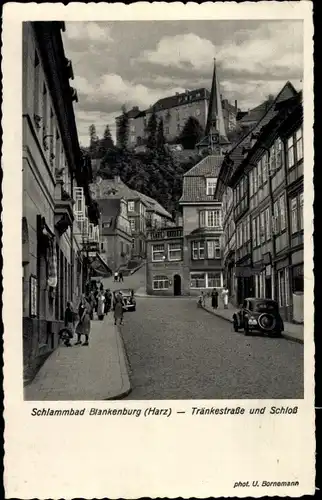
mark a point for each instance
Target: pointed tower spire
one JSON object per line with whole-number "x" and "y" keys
{"x": 215, "y": 132}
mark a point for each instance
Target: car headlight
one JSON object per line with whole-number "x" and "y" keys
{"x": 252, "y": 321}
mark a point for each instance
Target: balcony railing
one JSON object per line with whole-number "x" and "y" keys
{"x": 163, "y": 234}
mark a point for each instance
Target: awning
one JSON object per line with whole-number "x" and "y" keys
{"x": 99, "y": 267}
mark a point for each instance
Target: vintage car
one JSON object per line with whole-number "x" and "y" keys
{"x": 128, "y": 300}
{"x": 259, "y": 315}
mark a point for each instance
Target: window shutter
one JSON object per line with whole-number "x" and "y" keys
{"x": 79, "y": 207}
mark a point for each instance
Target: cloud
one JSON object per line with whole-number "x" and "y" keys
{"x": 275, "y": 46}
{"x": 89, "y": 31}
{"x": 181, "y": 50}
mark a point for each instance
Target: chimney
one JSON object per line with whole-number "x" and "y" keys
{"x": 236, "y": 105}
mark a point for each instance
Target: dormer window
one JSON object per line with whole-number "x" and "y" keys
{"x": 211, "y": 186}
{"x": 130, "y": 206}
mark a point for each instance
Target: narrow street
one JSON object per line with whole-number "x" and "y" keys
{"x": 177, "y": 351}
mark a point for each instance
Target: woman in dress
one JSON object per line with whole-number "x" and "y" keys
{"x": 214, "y": 298}
{"x": 84, "y": 323}
{"x": 100, "y": 305}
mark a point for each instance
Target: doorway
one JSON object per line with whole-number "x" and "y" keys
{"x": 268, "y": 287}
{"x": 177, "y": 284}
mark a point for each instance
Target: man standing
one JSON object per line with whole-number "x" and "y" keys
{"x": 116, "y": 276}
{"x": 121, "y": 276}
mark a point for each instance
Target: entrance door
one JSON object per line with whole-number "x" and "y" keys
{"x": 268, "y": 287}
{"x": 177, "y": 285}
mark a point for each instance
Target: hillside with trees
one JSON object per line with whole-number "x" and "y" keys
{"x": 155, "y": 172}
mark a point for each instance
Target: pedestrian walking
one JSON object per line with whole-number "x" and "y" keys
{"x": 116, "y": 276}
{"x": 84, "y": 323}
{"x": 203, "y": 298}
{"x": 121, "y": 277}
{"x": 100, "y": 306}
{"x": 108, "y": 301}
{"x": 225, "y": 297}
{"x": 214, "y": 299}
{"x": 118, "y": 311}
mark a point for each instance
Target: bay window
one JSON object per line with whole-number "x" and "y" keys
{"x": 299, "y": 144}
{"x": 290, "y": 152}
{"x": 198, "y": 250}
{"x": 174, "y": 251}
{"x": 157, "y": 253}
{"x": 211, "y": 218}
{"x": 213, "y": 249}
{"x": 160, "y": 282}
{"x": 197, "y": 280}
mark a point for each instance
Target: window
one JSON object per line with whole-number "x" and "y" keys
{"x": 79, "y": 207}
{"x": 281, "y": 288}
{"x": 265, "y": 168}
{"x": 160, "y": 282}
{"x": 44, "y": 111}
{"x": 132, "y": 128}
{"x": 294, "y": 214}
{"x": 211, "y": 186}
{"x": 130, "y": 206}
{"x": 248, "y": 227}
{"x": 299, "y": 144}
{"x": 245, "y": 231}
{"x": 282, "y": 213}
{"x": 174, "y": 251}
{"x": 213, "y": 280}
{"x": 157, "y": 253}
{"x": 267, "y": 224}
{"x": 258, "y": 231}
{"x": 132, "y": 139}
{"x": 210, "y": 218}
{"x": 262, "y": 226}
{"x": 197, "y": 280}
{"x": 301, "y": 221}
{"x": 272, "y": 166}
{"x": 198, "y": 112}
{"x": 166, "y": 130}
{"x": 259, "y": 174}
{"x": 255, "y": 180}
{"x": 279, "y": 153}
{"x": 298, "y": 278}
{"x": 251, "y": 183}
{"x": 276, "y": 216}
{"x": 198, "y": 250}
{"x": 254, "y": 237}
{"x": 132, "y": 224}
{"x": 290, "y": 152}
{"x": 213, "y": 249}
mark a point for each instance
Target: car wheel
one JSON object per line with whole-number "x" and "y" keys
{"x": 235, "y": 325}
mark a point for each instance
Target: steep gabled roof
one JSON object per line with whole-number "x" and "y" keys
{"x": 153, "y": 205}
{"x": 194, "y": 181}
{"x": 179, "y": 99}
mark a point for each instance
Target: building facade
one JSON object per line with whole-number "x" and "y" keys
{"x": 262, "y": 175}
{"x": 115, "y": 233}
{"x": 175, "y": 111}
{"x": 53, "y": 170}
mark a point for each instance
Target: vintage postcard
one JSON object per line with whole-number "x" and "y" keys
{"x": 158, "y": 260}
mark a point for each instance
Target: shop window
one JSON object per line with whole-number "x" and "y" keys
{"x": 298, "y": 278}
{"x": 214, "y": 280}
{"x": 160, "y": 283}
{"x": 197, "y": 280}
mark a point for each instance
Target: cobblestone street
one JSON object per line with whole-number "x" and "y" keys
{"x": 178, "y": 351}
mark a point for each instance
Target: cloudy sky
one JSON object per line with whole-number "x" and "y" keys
{"x": 139, "y": 62}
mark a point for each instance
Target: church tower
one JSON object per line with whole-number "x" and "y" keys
{"x": 215, "y": 140}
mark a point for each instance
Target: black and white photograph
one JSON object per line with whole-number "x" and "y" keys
{"x": 163, "y": 248}
{"x": 157, "y": 245}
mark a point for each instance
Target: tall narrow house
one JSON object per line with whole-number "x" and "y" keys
{"x": 186, "y": 260}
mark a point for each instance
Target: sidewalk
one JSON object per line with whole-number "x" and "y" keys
{"x": 96, "y": 372}
{"x": 291, "y": 331}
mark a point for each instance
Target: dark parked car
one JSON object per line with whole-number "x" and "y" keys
{"x": 128, "y": 300}
{"x": 259, "y": 315}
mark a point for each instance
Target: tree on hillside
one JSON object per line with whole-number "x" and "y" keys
{"x": 122, "y": 130}
{"x": 152, "y": 132}
{"x": 191, "y": 133}
{"x": 93, "y": 141}
{"x": 160, "y": 136}
{"x": 106, "y": 143}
